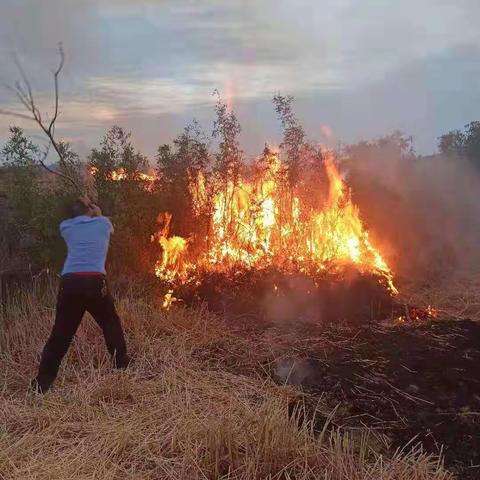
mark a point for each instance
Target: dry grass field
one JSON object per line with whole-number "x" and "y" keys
{"x": 193, "y": 406}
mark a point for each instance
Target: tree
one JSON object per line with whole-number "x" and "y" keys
{"x": 71, "y": 166}
{"x": 19, "y": 151}
{"x": 182, "y": 170}
{"x": 125, "y": 198}
{"x": 188, "y": 157}
{"x": 117, "y": 152}
{"x": 396, "y": 145}
{"x": 452, "y": 143}
{"x": 229, "y": 158}
{"x": 19, "y": 157}
{"x": 462, "y": 143}
{"x": 472, "y": 142}
{"x": 37, "y": 201}
{"x": 116, "y": 155}
{"x": 293, "y": 136}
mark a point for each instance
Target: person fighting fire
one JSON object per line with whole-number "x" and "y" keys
{"x": 83, "y": 287}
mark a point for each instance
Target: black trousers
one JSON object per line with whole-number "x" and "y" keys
{"x": 77, "y": 295}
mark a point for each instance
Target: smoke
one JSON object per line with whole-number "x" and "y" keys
{"x": 422, "y": 211}
{"x": 293, "y": 371}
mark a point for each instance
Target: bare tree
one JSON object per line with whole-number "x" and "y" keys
{"x": 23, "y": 91}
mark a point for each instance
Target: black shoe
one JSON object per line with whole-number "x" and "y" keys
{"x": 123, "y": 362}
{"x": 38, "y": 385}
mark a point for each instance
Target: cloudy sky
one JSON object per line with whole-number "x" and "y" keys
{"x": 362, "y": 68}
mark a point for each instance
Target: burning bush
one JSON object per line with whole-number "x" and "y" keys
{"x": 289, "y": 211}
{"x": 264, "y": 222}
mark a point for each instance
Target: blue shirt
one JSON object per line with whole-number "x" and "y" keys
{"x": 87, "y": 241}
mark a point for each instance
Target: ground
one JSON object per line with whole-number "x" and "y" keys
{"x": 418, "y": 382}
{"x": 215, "y": 396}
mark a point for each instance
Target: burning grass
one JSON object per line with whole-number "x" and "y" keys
{"x": 455, "y": 297}
{"x": 194, "y": 405}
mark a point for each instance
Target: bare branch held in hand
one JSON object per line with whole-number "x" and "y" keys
{"x": 23, "y": 91}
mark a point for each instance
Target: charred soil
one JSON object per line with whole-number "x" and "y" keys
{"x": 409, "y": 376}
{"x": 418, "y": 382}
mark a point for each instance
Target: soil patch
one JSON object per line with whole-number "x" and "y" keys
{"x": 419, "y": 381}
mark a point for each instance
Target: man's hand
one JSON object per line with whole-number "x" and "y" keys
{"x": 94, "y": 210}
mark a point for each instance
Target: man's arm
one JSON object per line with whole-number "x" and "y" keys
{"x": 94, "y": 210}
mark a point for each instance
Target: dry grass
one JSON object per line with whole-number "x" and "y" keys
{"x": 174, "y": 414}
{"x": 457, "y": 296}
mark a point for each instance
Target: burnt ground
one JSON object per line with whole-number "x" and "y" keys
{"x": 414, "y": 379}
{"x": 419, "y": 381}
{"x": 413, "y": 383}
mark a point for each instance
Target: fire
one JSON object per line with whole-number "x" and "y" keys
{"x": 262, "y": 221}
{"x": 168, "y": 300}
{"x": 418, "y": 314}
{"x": 173, "y": 262}
{"x": 122, "y": 174}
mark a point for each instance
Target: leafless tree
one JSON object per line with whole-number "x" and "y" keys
{"x": 23, "y": 91}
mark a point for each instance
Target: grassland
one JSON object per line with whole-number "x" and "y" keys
{"x": 197, "y": 404}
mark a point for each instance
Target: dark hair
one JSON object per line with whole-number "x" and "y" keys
{"x": 77, "y": 208}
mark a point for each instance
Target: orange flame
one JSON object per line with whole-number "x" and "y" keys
{"x": 122, "y": 174}
{"x": 172, "y": 263}
{"x": 168, "y": 300}
{"x": 263, "y": 222}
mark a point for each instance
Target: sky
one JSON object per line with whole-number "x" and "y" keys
{"x": 358, "y": 69}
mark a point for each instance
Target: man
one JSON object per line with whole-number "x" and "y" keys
{"x": 83, "y": 288}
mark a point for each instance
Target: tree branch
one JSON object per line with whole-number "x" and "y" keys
{"x": 15, "y": 114}
{"x": 54, "y": 172}
{"x": 24, "y": 93}
{"x": 55, "y": 79}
